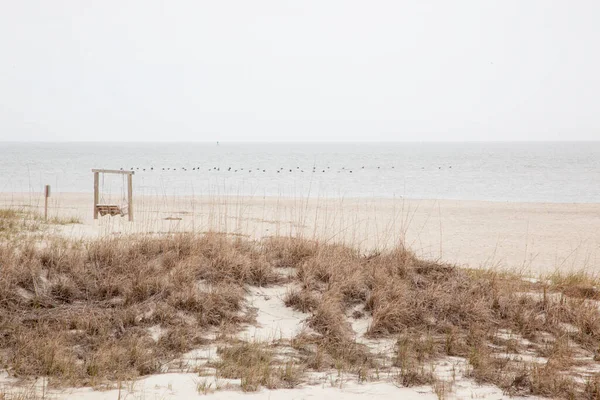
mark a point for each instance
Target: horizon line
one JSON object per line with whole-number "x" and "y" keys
{"x": 300, "y": 142}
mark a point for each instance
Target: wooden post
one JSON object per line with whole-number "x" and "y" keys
{"x": 130, "y": 197}
{"x": 96, "y": 194}
{"x": 46, "y": 195}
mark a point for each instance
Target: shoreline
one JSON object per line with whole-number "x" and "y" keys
{"x": 39, "y": 194}
{"x": 534, "y": 237}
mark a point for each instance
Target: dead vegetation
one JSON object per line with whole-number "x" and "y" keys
{"x": 436, "y": 310}
{"x": 256, "y": 366}
{"x": 82, "y": 313}
{"x": 15, "y": 222}
{"x": 21, "y": 395}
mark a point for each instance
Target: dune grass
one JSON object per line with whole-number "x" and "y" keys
{"x": 436, "y": 310}
{"x": 16, "y": 222}
{"x": 256, "y": 366}
{"x": 82, "y": 313}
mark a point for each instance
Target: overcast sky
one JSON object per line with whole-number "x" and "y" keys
{"x": 299, "y": 70}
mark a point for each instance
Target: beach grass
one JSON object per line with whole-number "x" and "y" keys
{"x": 16, "y": 221}
{"x": 85, "y": 312}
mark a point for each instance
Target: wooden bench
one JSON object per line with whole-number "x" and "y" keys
{"x": 111, "y": 209}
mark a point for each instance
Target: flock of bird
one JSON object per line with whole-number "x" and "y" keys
{"x": 231, "y": 169}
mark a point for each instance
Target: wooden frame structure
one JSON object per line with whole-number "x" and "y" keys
{"x": 108, "y": 208}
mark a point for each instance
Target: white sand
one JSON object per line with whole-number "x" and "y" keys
{"x": 533, "y": 236}
{"x": 185, "y": 386}
{"x": 274, "y": 321}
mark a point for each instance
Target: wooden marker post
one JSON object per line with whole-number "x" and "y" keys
{"x": 130, "y": 197}
{"x": 96, "y": 193}
{"x": 46, "y": 195}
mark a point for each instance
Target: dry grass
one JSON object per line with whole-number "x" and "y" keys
{"x": 80, "y": 312}
{"x": 578, "y": 284}
{"x": 255, "y": 365}
{"x": 15, "y": 222}
{"x": 21, "y": 395}
{"x": 437, "y": 310}
{"x": 58, "y": 220}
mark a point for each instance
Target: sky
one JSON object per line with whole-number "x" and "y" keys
{"x": 310, "y": 70}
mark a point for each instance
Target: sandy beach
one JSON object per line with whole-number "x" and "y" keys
{"x": 299, "y": 200}
{"x": 535, "y": 237}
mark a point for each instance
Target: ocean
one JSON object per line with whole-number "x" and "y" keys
{"x": 563, "y": 172}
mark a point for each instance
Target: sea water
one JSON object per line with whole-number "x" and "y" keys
{"x": 498, "y": 171}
